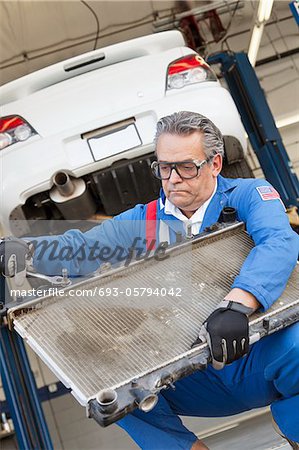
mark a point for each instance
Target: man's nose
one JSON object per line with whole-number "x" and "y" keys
{"x": 174, "y": 176}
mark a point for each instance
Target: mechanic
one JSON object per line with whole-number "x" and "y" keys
{"x": 189, "y": 150}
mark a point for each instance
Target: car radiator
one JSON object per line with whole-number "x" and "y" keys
{"x": 120, "y": 337}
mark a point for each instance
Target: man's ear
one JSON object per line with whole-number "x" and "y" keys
{"x": 217, "y": 164}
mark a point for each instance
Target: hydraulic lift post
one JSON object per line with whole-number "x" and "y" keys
{"x": 20, "y": 388}
{"x": 259, "y": 124}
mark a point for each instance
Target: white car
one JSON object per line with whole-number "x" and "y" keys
{"x": 76, "y": 138}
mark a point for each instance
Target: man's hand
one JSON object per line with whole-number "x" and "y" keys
{"x": 227, "y": 332}
{"x": 15, "y": 254}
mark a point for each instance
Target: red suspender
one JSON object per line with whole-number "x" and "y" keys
{"x": 150, "y": 224}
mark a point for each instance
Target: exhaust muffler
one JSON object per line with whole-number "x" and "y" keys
{"x": 72, "y": 197}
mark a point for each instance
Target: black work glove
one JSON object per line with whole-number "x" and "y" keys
{"x": 226, "y": 331}
{"x": 15, "y": 254}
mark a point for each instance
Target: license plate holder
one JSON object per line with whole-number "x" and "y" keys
{"x": 111, "y": 141}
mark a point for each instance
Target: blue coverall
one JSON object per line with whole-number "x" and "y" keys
{"x": 269, "y": 373}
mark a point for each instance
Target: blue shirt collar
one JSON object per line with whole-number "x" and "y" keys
{"x": 224, "y": 185}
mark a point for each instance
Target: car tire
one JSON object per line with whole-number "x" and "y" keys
{"x": 240, "y": 169}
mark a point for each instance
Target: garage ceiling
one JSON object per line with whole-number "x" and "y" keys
{"x": 34, "y": 34}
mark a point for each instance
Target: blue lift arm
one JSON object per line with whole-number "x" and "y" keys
{"x": 19, "y": 386}
{"x": 259, "y": 124}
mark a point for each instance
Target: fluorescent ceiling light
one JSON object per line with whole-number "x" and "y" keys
{"x": 264, "y": 11}
{"x": 263, "y": 14}
{"x": 254, "y": 45}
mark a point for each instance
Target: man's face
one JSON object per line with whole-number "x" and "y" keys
{"x": 190, "y": 194}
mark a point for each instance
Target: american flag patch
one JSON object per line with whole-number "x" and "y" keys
{"x": 268, "y": 193}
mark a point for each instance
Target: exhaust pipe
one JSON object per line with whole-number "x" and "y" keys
{"x": 64, "y": 184}
{"x": 72, "y": 197}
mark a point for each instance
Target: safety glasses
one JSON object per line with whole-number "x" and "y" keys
{"x": 185, "y": 169}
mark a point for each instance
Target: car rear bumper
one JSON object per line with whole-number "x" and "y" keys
{"x": 35, "y": 162}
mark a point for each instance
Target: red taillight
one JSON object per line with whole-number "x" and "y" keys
{"x": 7, "y": 123}
{"x": 186, "y": 63}
{"x": 188, "y": 70}
{"x": 14, "y": 129}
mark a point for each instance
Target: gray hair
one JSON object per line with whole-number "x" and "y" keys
{"x": 185, "y": 123}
